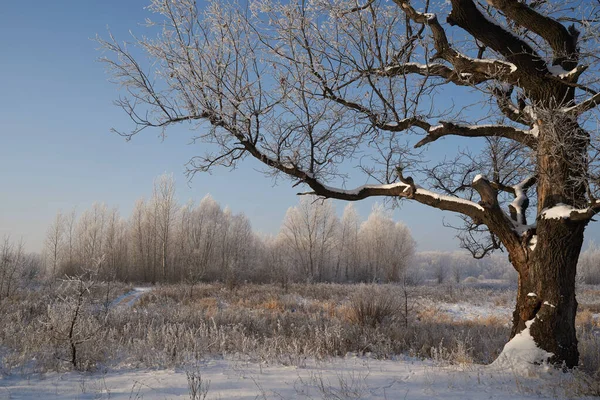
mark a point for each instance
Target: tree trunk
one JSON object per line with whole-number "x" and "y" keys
{"x": 546, "y": 291}
{"x": 546, "y": 294}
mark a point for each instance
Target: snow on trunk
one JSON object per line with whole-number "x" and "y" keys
{"x": 521, "y": 354}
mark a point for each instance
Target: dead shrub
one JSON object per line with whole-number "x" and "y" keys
{"x": 585, "y": 319}
{"x": 372, "y": 306}
{"x": 272, "y": 305}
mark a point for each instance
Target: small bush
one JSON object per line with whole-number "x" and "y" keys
{"x": 372, "y": 306}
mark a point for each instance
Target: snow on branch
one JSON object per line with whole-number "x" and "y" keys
{"x": 584, "y": 106}
{"x": 519, "y": 205}
{"x": 569, "y": 76}
{"x": 449, "y": 128}
{"x": 469, "y": 17}
{"x": 462, "y": 78}
{"x": 562, "y": 40}
{"x": 507, "y": 107}
{"x": 403, "y": 189}
{"x": 565, "y": 211}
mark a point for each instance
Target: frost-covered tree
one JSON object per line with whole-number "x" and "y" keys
{"x": 138, "y": 249}
{"x": 276, "y": 265}
{"x": 70, "y": 221}
{"x": 348, "y": 250}
{"x": 165, "y": 209}
{"x": 206, "y": 220}
{"x": 12, "y": 261}
{"x": 310, "y": 230}
{"x": 90, "y": 233}
{"x": 115, "y": 247}
{"x": 55, "y": 241}
{"x": 589, "y": 265}
{"x": 309, "y": 87}
{"x": 387, "y": 247}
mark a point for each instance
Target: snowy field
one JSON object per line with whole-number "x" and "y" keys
{"x": 348, "y": 378}
{"x": 446, "y": 369}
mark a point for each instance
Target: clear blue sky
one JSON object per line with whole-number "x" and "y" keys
{"x": 56, "y": 149}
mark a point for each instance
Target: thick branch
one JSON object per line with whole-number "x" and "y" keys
{"x": 490, "y": 69}
{"x": 496, "y": 220}
{"x": 467, "y": 72}
{"x": 519, "y": 205}
{"x": 584, "y": 106}
{"x": 439, "y": 35}
{"x": 449, "y": 128}
{"x": 563, "y": 43}
{"x": 466, "y": 15}
{"x": 403, "y": 189}
{"x": 563, "y": 211}
{"x": 508, "y": 108}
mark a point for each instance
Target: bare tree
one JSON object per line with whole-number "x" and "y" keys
{"x": 165, "y": 211}
{"x": 90, "y": 236}
{"x": 589, "y": 265}
{"x": 309, "y": 87}
{"x": 12, "y": 259}
{"x": 347, "y": 245}
{"x": 69, "y": 223}
{"x": 387, "y": 247}
{"x": 70, "y": 320}
{"x": 115, "y": 248}
{"x": 275, "y": 260}
{"x": 310, "y": 230}
{"x": 54, "y": 241}
{"x": 206, "y": 221}
{"x": 137, "y": 236}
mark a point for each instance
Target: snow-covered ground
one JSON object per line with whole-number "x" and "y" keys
{"x": 128, "y": 299}
{"x": 348, "y": 378}
{"x": 469, "y": 312}
{"x": 351, "y": 377}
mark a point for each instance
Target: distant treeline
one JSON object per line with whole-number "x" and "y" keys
{"x": 164, "y": 241}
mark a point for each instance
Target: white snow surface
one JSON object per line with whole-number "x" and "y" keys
{"x": 560, "y": 211}
{"x": 521, "y": 354}
{"x": 343, "y": 378}
{"x": 448, "y": 198}
{"x": 350, "y": 377}
{"x": 533, "y": 242}
{"x": 470, "y": 312}
{"x": 130, "y": 298}
{"x": 477, "y": 177}
{"x": 562, "y": 73}
{"x": 358, "y": 189}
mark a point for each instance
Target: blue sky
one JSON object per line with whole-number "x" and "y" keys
{"x": 56, "y": 149}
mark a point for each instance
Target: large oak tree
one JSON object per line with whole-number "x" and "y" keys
{"x": 309, "y": 86}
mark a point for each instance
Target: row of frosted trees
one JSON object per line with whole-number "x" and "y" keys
{"x": 164, "y": 241}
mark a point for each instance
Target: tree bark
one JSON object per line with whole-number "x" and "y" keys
{"x": 546, "y": 292}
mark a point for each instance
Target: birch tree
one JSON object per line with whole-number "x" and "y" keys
{"x": 387, "y": 247}
{"x": 12, "y": 259}
{"x": 55, "y": 241}
{"x": 347, "y": 245}
{"x": 165, "y": 207}
{"x": 310, "y": 231}
{"x": 309, "y": 88}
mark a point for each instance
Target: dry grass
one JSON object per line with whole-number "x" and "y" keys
{"x": 172, "y": 325}
{"x": 372, "y": 306}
